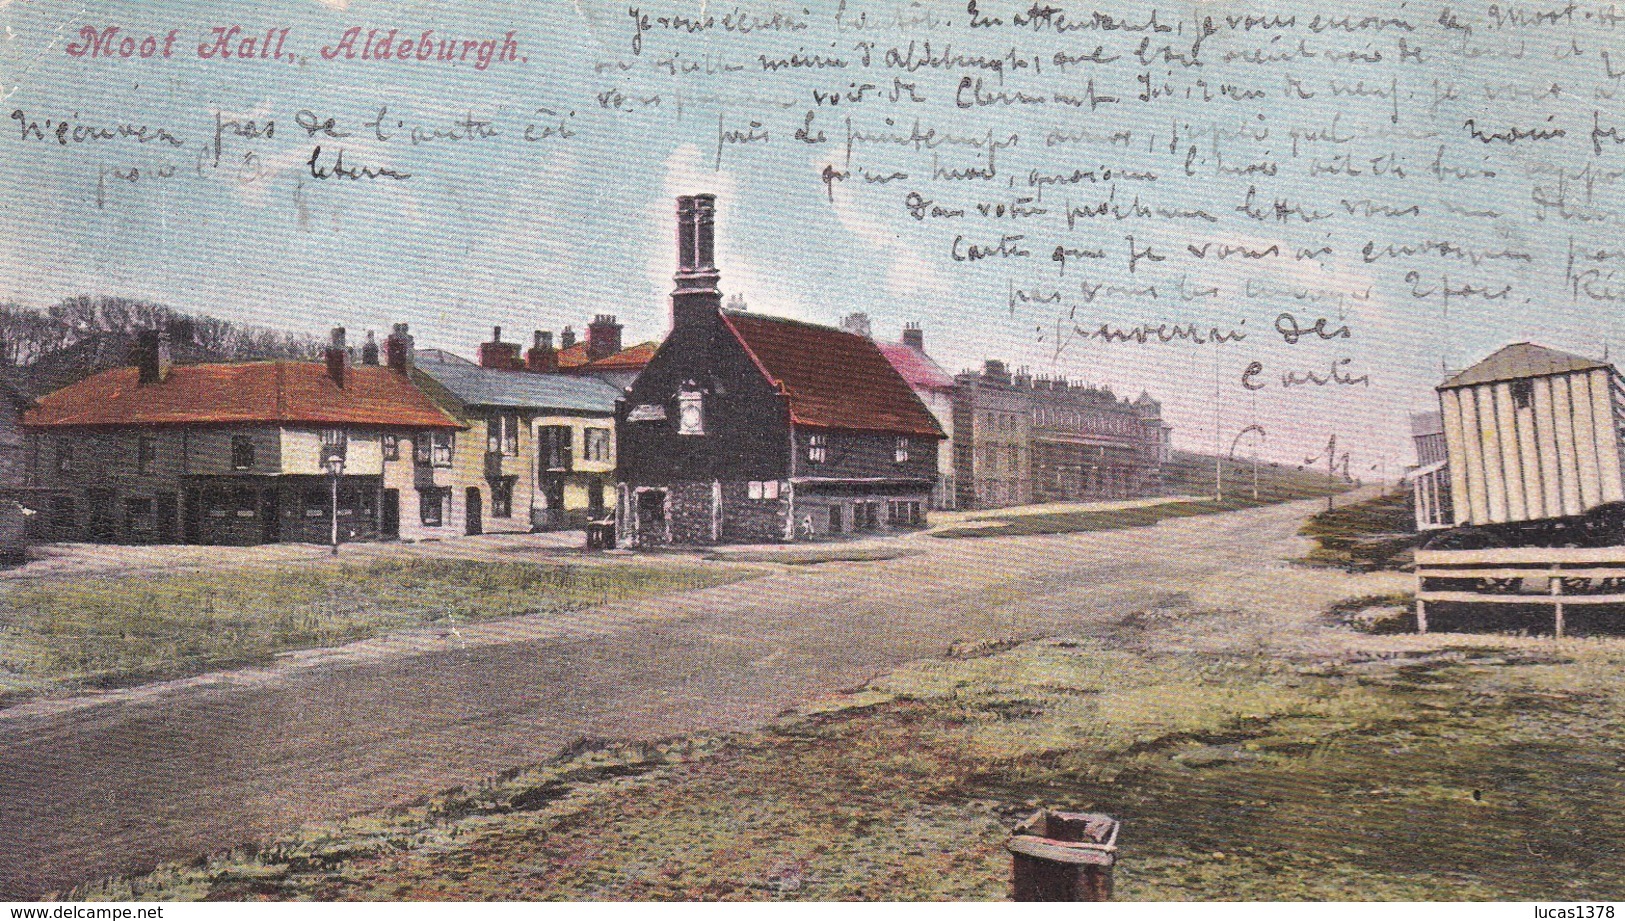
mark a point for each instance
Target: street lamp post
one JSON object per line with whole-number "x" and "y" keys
{"x": 334, "y": 448}
{"x": 1259, "y": 429}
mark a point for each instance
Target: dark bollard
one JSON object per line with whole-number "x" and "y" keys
{"x": 1063, "y": 857}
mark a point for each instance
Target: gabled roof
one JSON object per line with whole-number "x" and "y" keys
{"x": 834, "y": 379}
{"x": 574, "y": 356}
{"x": 258, "y": 392}
{"x": 1522, "y": 360}
{"x": 476, "y": 386}
{"x": 921, "y": 372}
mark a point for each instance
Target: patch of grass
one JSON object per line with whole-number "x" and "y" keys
{"x": 1375, "y": 534}
{"x": 1186, "y": 474}
{"x": 1247, "y": 760}
{"x": 98, "y": 632}
{"x": 813, "y": 556}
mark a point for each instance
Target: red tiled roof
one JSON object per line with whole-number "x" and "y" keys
{"x": 631, "y": 358}
{"x": 916, "y": 367}
{"x": 834, "y": 379}
{"x": 574, "y": 356}
{"x": 274, "y": 392}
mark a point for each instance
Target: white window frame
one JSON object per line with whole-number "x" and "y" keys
{"x": 901, "y": 454}
{"x": 817, "y": 449}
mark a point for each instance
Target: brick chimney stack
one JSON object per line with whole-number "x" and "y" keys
{"x": 914, "y": 337}
{"x": 603, "y": 337}
{"x": 696, "y": 297}
{"x": 398, "y": 349}
{"x": 150, "y": 355}
{"x": 336, "y": 356}
{"x": 541, "y": 359}
{"x": 567, "y": 337}
{"x": 499, "y": 354}
{"x": 369, "y": 350}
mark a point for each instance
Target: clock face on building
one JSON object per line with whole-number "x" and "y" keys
{"x": 689, "y": 418}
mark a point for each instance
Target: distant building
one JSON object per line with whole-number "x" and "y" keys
{"x": 16, "y": 499}
{"x": 540, "y": 445}
{"x": 601, "y": 356}
{"x": 935, "y": 388}
{"x": 1020, "y": 439}
{"x": 233, "y": 453}
{"x": 746, "y": 428}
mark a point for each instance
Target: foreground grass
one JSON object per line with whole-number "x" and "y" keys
{"x": 98, "y": 632}
{"x": 1249, "y": 758}
{"x": 1378, "y": 533}
{"x": 1186, "y": 474}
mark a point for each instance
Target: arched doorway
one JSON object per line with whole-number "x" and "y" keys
{"x": 472, "y": 511}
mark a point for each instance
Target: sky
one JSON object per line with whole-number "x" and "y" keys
{"x": 540, "y": 235}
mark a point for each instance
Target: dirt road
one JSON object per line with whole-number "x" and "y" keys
{"x": 168, "y": 773}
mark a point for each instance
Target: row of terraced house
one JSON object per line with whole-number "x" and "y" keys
{"x": 738, "y": 426}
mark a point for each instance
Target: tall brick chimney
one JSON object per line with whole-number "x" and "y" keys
{"x": 696, "y": 297}
{"x": 499, "y": 354}
{"x": 150, "y": 355}
{"x": 369, "y": 350}
{"x": 336, "y": 356}
{"x": 603, "y": 337}
{"x": 398, "y": 349}
{"x": 914, "y": 337}
{"x": 541, "y": 359}
{"x": 567, "y": 337}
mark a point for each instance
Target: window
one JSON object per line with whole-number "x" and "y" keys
{"x": 242, "y": 452}
{"x": 146, "y": 447}
{"x": 901, "y": 455}
{"x": 763, "y": 489}
{"x": 317, "y": 502}
{"x": 690, "y": 413}
{"x": 502, "y": 498}
{"x": 432, "y": 506}
{"x": 433, "y": 449}
{"x": 597, "y": 444}
{"x": 64, "y": 457}
{"x": 1523, "y": 394}
{"x": 138, "y": 514}
{"x": 555, "y": 447}
{"x": 817, "y": 449}
{"x": 502, "y": 434}
{"x": 392, "y": 447}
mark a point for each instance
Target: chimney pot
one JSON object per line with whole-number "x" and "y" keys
{"x": 398, "y": 349}
{"x": 541, "y": 359}
{"x": 567, "y": 337}
{"x": 914, "y": 337}
{"x": 603, "y": 337}
{"x": 336, "y": 356}
{"x": 369, "y": 350}
{"x": 857, "y": 324}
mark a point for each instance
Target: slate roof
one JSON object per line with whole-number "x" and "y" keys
{"x": 834, "y": 379}
{"x": 259, "y": 392}
{"x": 1522, "y": 360}
{"x": 476, "y": 386}
{"x": 921, "y": 372}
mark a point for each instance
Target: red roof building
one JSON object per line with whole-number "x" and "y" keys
{"x": 746, "y": 428}
{"x": 833, "y": 379}
{"x": 260, "y": 392}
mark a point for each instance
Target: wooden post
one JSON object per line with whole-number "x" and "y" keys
{"x": 1557, "y": 605}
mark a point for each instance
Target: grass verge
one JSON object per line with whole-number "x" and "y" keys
{"x": 1249, "y": 758}
{"x": 1185, "y": 474}
{"x": 97, "y": 632}
{"x": 1378, "y": 533}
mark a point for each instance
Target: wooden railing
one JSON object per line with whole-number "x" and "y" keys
{"x": 1555, "y": 576}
